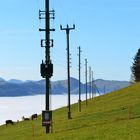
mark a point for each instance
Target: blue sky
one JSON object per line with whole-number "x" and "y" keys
{"x": 108, "y": 32}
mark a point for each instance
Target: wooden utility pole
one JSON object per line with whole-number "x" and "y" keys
{"x": 67, "y": 29}
{"x": 79, "y": 101}
{"x": 104, "y": 89}
{"x": 86, "y": 78}
{"x": 90, "y": 82}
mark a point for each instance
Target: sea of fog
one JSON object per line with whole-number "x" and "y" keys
{"x": 14, "y": 108}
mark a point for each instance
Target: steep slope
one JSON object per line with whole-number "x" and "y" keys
{"x": 114, "y": 116}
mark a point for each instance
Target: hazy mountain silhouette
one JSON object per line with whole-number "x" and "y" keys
{"x": 2, "y": 80}
{"x": 15, "y": 81}
{"x": 19, "y": 88}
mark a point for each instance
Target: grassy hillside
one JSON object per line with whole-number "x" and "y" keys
{"x": 114, "y": 116}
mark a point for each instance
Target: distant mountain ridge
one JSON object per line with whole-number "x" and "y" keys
{"x": 15, "y": 81}
{"x": 110, "y": 85}
{"x": 2, "y": 80}
{"x": 16, "y": 87}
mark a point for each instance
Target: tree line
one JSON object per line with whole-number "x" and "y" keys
{"x": 135, "y": 77}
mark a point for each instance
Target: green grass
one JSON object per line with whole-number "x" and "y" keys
{"x": 114, "y": 116}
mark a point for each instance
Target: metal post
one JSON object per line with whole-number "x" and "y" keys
{"x": 47, "y": 36}
{"x": 47, "y": 67}
{"x": 86, "y": 78}
{"x": 79, "y": 101}
{"x": 67, "y": 29}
